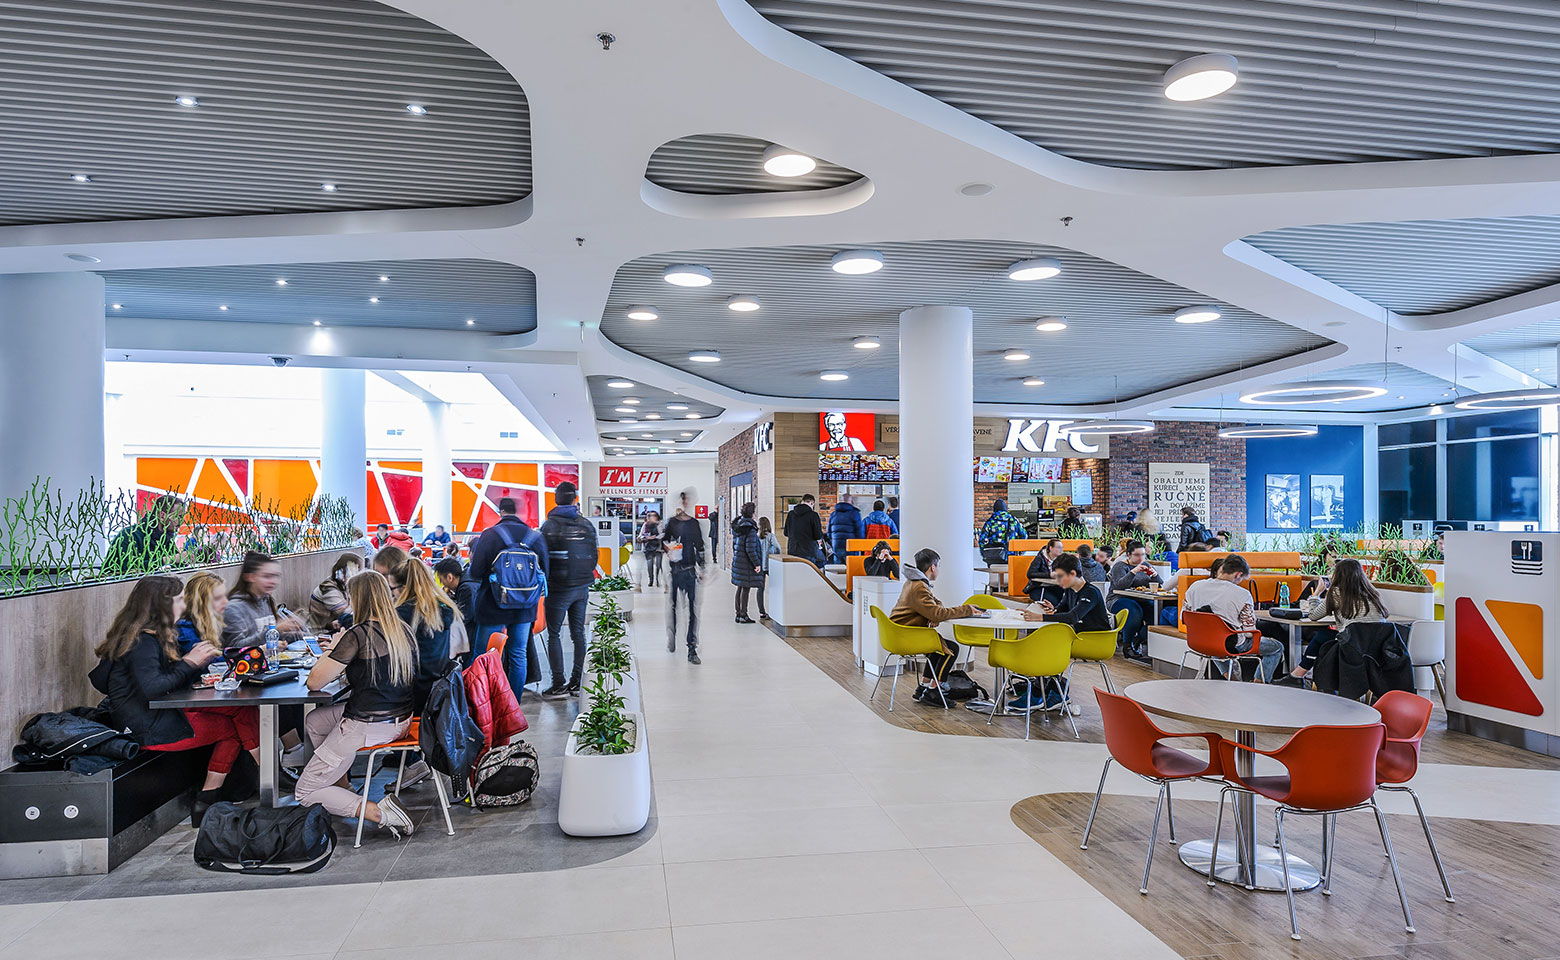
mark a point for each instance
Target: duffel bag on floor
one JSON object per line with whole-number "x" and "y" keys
{"x": 506, "y": 775}
{"x": 264, "y": 841}
{"x": 962, "y": 687}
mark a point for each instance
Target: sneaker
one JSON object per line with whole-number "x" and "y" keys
{"x": 296, "y": 758}
{"x": 1022, "y": 705}
{"x": 416, "y": 773}
{"x": 394, "y": 816}
{"x": 573, "y": 689}
{"x": 693, "y": 656}
{"x": 1289, "y": 680}
{"x": 555, "y": 692}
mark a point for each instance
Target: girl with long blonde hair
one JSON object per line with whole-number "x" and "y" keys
{"x": 205, "y": 600}
{"x": 379, "y": 657}
{"x": 427, "y": 609}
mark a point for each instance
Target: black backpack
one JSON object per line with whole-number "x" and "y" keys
{"x": 506, "y": 776}
{"x": 264, "y": 841}
{"x": 571, "y": 550}
{"x": 961, "y": 686}
{"x": 449, "y": 738}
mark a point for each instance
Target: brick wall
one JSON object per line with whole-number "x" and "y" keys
{"x": 736, "y": 456}
{"x": 1098, "y": 470}
{"x": 1177, "y": 442}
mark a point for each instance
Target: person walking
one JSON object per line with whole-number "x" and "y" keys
{"x": 650, "y": 543}
{"x": 747, "y": 560}
{"x": 845, "y": 524}
{"x": 509, "y": 564}
{"x": 685, "y": 556}
{"x": 804, "y": 532}
{"x": 571, "y": 567}
{"x": 893, "y": 513}
{"x": 715, "y": 536}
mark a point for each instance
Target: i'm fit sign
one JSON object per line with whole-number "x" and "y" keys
{"x": 638, "y": 481}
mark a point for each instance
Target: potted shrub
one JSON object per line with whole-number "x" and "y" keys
{"x": 1157, "y": 548}
{"x": 606, "y": 768}
{"x": 609, "y": 655}
{"x": 619, "y": 588}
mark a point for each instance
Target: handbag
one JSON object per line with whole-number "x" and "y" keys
{"x": 265, "y": 841}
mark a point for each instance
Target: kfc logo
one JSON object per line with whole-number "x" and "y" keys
{"x": 846, "y": 432}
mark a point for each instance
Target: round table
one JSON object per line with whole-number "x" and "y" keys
{"x": 1248, "y": 709}
{"x": 1000, "y": 621}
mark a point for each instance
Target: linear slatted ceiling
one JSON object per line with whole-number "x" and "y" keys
{"x": 1406, "y": 387}
{"x": 1425, "y": 266}
{"x": 1531, "y": 349}
{"x": 727, "y": 163}
{"x": 424, "y": 294}
{"x": 607, "y": 399}
{"x": 1121, "y": 339}
{"x": 1321, "y": 81}
{"x": 292, "y": 95}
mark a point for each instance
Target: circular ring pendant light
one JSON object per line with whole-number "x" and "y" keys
{"x": 1253, "y": 431}
{"x": 1107, "y": 428}
{"x": 1314, "y": 391}
{"x": 1525, "y": 399}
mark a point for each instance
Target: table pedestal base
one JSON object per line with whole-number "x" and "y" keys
{"x": 1197, "y": 854}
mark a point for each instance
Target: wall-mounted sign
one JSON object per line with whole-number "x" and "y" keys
{"x": 764, "y": 437}
{"x": 634, "y": 481}
{"x": 869, "y": 468}
{"x": 846, "y": 432}
{"x": 1172, "y": 486}
{"x": 1045, "y": 436}
{"x": 1082, "y": 489}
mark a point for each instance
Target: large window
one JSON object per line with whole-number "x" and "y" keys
{"x": 1497, "y": 480}
{"x": 1475, "y": 468}
{"x": 1407, "y": 478}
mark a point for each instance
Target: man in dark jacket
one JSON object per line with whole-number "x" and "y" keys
{"x": 1132, "y": 572}
{"x": 747, "y": 562}
{"x": 1077, "y": 603}
{"x": 684, "y": 540}
{"x": 1040, "y": 570}
{"x": 845, "y": 523}
{"x": 804, "y": 532}
{"x": 571, "y": 567}
{"x": 509, "y": 531}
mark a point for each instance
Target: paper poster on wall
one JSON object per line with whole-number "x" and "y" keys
{"x": 1283, "y": 501}
{"x": 1172, "y": 486}
{"x": 1326, "y": 502}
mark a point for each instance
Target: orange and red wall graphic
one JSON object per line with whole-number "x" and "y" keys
{"x": 1486, "y": 673}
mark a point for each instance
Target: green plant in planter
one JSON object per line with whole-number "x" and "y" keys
{"x": 613, "y": 583}
{"x": 1157, "y": 547}
{"x": 1396, "y": 566}
{"x": 604, "y": 730}
{"x": 1431, "y": 553}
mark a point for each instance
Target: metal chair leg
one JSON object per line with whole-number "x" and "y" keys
{"x": 1289, "y": 892}
{"x": 1434, "y": 853}
{"x": 1153, "y": 839}
{"x": 893, "y": 688}
{"x": 400, "y": 773}
{"x": 444, "y": 802}
{"x": 1386, "y": 841}
{"x": 1110, "y": 686}
{"x": 940, "y": 694}
{"x": 362, "y": 813}
{"x": 1182, "y": 668}
{"x": 1439, "y": 673}
{"x": 1218, "y": 827}
{"x": 1170, "y": 812}
{"x": 879, "y": 679}
{"x": 1066, "y": 693}
{"x": 1329, "y": 850}
{"x": 1096, "y": 807}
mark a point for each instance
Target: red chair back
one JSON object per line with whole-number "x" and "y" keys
{"x": 1129, "y": 734}
{"x": 1407, "y": 717}
{"x": 497, "y": 641}
{"x": 1207, "y": 633}
{"x": 1330, "y": 768}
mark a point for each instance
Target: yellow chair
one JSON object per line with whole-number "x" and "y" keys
{"x": 1097, "y": 646}
{"x": 1047, "y": 652}
{"x": 979, "y": 636}
{"x": 906, "y": 643}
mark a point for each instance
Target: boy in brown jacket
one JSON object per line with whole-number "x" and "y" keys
{"x": 918, "y": 607}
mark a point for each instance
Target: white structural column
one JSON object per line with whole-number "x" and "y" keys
{"x": 937, "y": 443}
{"x": 344, "y": 439}
{"x": 51, "y": 381}
{"x": 436, "y": 467}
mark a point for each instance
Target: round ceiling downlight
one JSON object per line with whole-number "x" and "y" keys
{"x": 688, "y": 275}
{"x": 1038, "y": 268}
{"x": 784, "y": 162}
{"x": 742, "y": 303}
{"x": 1106, "y": 428}
{"x": 1314, "y": 391}
{"x": 620, "y": 384}
{"x": 1051, "y": 325}
{"x": 866, "y": 343}
{"x": 1511, "y": 399}
{"x": 834, "y": 376}
{"x": 1201, "y": 77}
{"x": 1033, "y": 382}
{"x": 643, "y": 313}
{"x": 856, "y": 262}
{"x": 1015, "y": 355}
{"x": 1272, "y": 431}
{"x": 1202, "y": 314}
{"x": 704, "y": 356}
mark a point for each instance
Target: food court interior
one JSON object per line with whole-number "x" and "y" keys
{"x": 1065, "y": 475}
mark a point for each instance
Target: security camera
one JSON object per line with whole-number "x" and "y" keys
{"x": 280, "y": 361}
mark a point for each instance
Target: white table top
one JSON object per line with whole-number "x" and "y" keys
{"x": 1008, "y": 619}
{"x": 1258, "y": 707}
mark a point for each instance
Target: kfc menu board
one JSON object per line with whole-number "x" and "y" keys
{"x": 858, "y": 468}
{"x": 1018, "y": 470}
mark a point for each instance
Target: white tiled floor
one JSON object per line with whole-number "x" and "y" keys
{"x": 792, "y": 822}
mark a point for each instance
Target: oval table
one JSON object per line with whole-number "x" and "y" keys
{"x": 1003, "y": 622}
{"x": 1248, "y": 709}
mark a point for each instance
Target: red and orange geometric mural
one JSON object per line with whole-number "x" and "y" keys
{"x": 1485, "y": 672}
{"x": 394, "y": 487}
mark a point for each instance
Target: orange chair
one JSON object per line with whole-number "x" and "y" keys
{"x": 1328, "y": 770}
{"x": 497, "y": 641}
{"x": 1406, "y": 716}
{"x": 403, "y": 746}
{"x": 1206, "y": 636}
{"x": 1133, "y": 741}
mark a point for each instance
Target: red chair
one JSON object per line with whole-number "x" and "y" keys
{"x": 497, "y": 641}
{"x": 1406, "y": 716}
{"x": 1328, "y": 770}
{"x": 1206, "y": 637}
{"x": 1133, "y": 741}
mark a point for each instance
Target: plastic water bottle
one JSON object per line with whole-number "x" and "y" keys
{"x": 273, "y": 648}
{"x": 1283, "y": 594}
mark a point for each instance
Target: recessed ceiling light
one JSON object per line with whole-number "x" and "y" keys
{"x": 620, "y": 384}
{"x": 834, "y": 375}
{"x": 652, "y": 416}
{"x": 471, "y": 321}
{"x": 1256, "y": 432}
{"x": 647, "y": 436}
{"x": 691, "y": 416}
{"x": 328, "y": 187}
{"x": 281, "y": 281}
{"x": 1401, "y": 397}
{"x": 1201, "y": 77}
{"x": 1015, "y": 355}
{"x": 186, "y": 101}
{"x": 373, "y": 299}
{"x": 742, "y": 303}
{"x": 119, "y": 306}
{"x": 866, "y": 343}
{"x": 631, "y": 401}
{"x": 855, "y": 262}
{"x": 687, "y": 433}
{"x": 1051, "y": 325}
{"x": 643, "y": 313}
{"x": 1038, "y": 268}
{"x": 704, "y": 356}
{"x": 688, "y": 275}
{"x": 222, "y": 307}
{"x": 81, "y": 178}
{"x": 620, "y": 438}
{"x": 318, "y": 323}
{"x": 1201, "y": 314}
{"x": 629, "y": 420}
{"x": 83, "y": 258}
{"x": 976, "y": 189}
{"x": 677, "y": 406}
{"x": 1033, "y": 382}
{"x": 624, "y": 410}
{"x": 383, "y": 278}
{"x": 784, "y": 162}
{"x": 416, "y": 109}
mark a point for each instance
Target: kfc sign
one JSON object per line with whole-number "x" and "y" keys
{"x": 764, "y": 437}
{"x": 1021, "y": 437}
{"x": 846, "y": 432}
{"x": 633, "y": 481}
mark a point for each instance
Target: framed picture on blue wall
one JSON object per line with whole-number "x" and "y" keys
{"x": 1283, "y": 501}
{"x": 1327, "y": 502}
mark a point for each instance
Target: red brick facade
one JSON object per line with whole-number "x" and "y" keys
{"x": 1180, "y": 442}
{"x": 737, "y": 457}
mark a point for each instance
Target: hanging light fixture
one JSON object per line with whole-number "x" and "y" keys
{"x": 1314, "y": 391}
{"x": 1110, "y": 427}
{"x": 1525, "y": 399}
{"x": 1256, "y": 432}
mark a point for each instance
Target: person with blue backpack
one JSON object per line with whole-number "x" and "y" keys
{"x": 509, "y": 564}
{"x": 571, "y": 568}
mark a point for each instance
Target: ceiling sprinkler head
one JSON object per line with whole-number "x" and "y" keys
{"x": 606, "y": 40}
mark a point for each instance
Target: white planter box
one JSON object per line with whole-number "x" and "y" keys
{"x": 628, "y": 689}
{"x": 606, "y": 796}
{"x": 624, "y": 598}
{"x": 1163, "y": 569}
